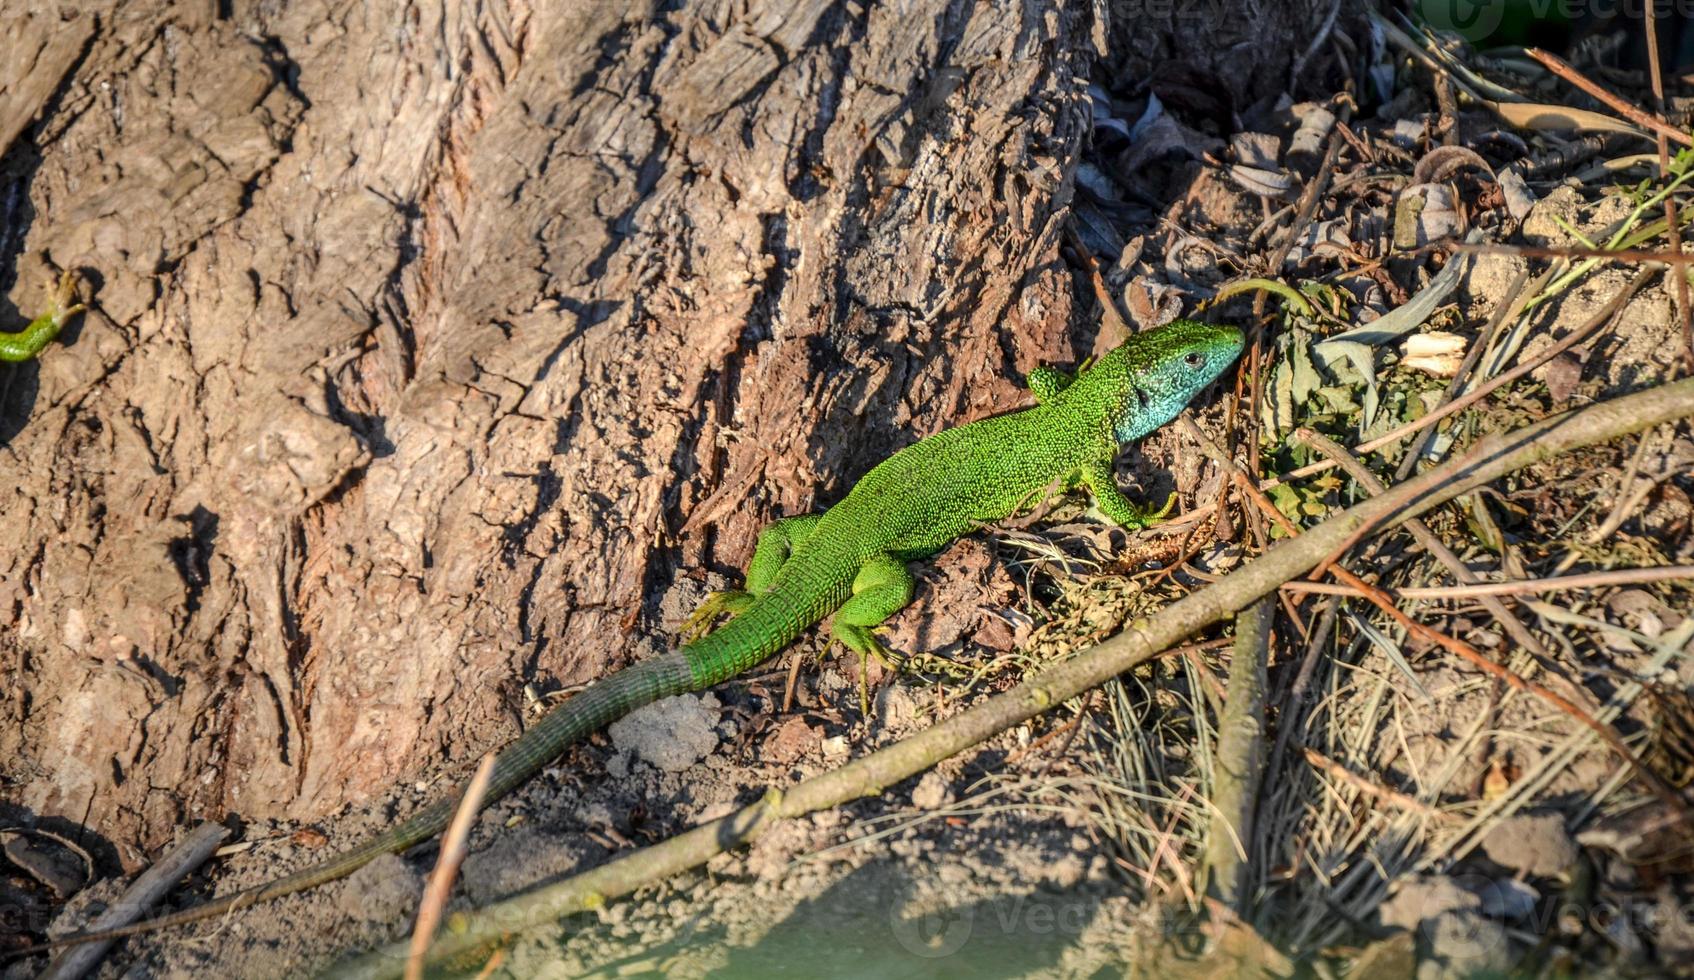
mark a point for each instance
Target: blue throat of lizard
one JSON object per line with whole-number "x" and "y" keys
{"x": 1153, "y": 381}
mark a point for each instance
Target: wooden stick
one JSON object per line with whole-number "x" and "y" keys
{"x": 1239, "y": 763}
{"x": 150, "y": 886}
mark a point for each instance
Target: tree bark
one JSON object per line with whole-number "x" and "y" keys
{"x": 427, "y": 343}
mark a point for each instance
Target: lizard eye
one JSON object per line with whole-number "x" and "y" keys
{"x": 1194, "y": 359}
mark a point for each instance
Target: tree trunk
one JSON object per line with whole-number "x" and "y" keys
{"x": 428, "y": 342}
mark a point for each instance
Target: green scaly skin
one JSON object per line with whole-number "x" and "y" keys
{"x": 850, "y": 560}
{"x": 28, "y": 342}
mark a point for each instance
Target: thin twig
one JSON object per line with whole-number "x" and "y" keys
{"x": 453, "y": 850}
{"x": 1650, "y": 24}
{"x": 1299, "y": 66}
{"x": 1589, "y": 580}
{"x": 1340, "y": 772}
{"x": 1617, "y": 103}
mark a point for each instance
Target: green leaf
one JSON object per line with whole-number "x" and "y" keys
{"x": 1336, "y": 356}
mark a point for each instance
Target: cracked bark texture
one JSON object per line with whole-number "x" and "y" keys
{"x": 428, "y": 343}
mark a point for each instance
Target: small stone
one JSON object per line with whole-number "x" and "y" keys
{"x": 384, "y": 890}
{"x": 1534, "y": 843}
{"x": 1067, "y": 872}
{"x": 1508, "y": 898}
{"x": 672, "y": 734}
{"x": 790, "y": 741}
{"x": 1424, "y": 897}
{"x": 1464, "y": 944}
{"x": 932, "y": 793}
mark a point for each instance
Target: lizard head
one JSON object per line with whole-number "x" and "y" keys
{"x": 1164, "y": 368}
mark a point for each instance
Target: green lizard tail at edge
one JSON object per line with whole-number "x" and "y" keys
{"x": 850, "y": 560}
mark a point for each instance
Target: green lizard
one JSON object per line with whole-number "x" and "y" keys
{"x": 28, "y": 342}
{"x": 851, "y": 559}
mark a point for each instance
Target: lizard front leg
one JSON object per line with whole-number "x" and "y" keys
{"x": 1119, "y": 509}
{"x": 770, "y": 553}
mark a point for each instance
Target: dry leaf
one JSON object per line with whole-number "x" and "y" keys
{"x": 1435, "y": 353}
{"x": 1558, "y": 118}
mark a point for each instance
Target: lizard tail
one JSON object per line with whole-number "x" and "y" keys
{"x": 598, "y": 705}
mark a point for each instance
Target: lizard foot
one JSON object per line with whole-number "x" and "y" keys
{"x": 863, "y": 641}
{"x": 1133, "y": 517}
{"x": 701, "y": 622}
{"x": 60, "y": 306}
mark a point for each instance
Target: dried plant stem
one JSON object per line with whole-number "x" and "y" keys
{"x": 1392, "y": 796}
{"x": 1488, "y": 460}
{"x": 1635, "y": 255}
{"x": 434, "y": 905}
{"x": 1650, "y": 27}
{"x": 1562, "y": 583}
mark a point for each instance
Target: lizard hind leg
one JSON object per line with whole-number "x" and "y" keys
{"x": 882, "y": 588}
{"x": 776, "y": 542}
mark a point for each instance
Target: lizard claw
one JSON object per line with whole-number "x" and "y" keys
{"x": 28, "y": 342}
{"x": 700, "y": 622}
{"x": 863, "y": 641}
{"x": 60, "y": 306}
